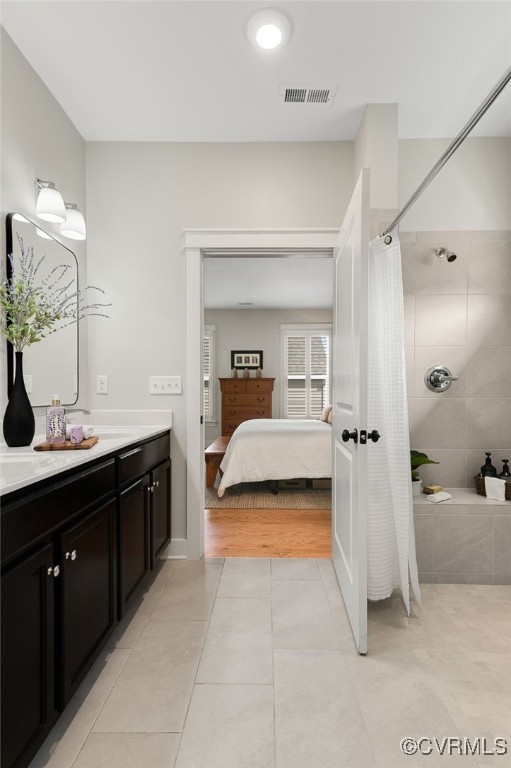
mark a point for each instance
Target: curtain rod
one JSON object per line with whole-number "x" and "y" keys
{"x": 453, "y": 146}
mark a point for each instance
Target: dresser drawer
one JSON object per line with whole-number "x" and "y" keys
{"x": 229, "y": 424}
{"x": 236, "y": 400}
{"x": 259, "y": 385}
{"x": 234, "y": 385}
{"x": 245, "y": 413}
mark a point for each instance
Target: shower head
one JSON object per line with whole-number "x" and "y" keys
{"x": 444, "y": 252}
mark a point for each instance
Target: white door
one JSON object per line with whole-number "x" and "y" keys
{"x": 349, "y": 496}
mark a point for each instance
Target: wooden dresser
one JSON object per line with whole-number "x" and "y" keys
{"x": 244, "y": 399}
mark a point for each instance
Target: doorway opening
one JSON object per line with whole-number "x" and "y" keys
{"x": 259, "y": 257}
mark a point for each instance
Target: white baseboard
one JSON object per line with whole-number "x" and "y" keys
{"x": 177, "y": 550}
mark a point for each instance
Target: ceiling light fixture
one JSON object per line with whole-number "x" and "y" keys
{"x": 50, "y": 203}
{"x": 74, "y": 226}
{"x": 268, "y": 29}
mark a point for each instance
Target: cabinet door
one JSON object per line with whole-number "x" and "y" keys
{"x": 134, "y": 508}
{"x": 88, "y": 606}
{"x": 28, "y": 706}
{"x": 160, "y": 510}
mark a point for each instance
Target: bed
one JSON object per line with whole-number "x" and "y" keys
{"x": 277, "y": 449}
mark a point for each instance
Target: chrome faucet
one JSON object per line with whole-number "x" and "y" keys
{"x": 85, "y": 411}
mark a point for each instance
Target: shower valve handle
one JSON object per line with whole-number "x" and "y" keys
{"x": 346, "y": 435}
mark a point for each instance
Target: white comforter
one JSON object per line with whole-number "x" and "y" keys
{"x": 277, "y": 449}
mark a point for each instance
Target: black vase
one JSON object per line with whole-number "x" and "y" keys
{"x": 19, "y": 422}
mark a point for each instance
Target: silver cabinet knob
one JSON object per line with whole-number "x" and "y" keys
{"x": 54, "y": 571}
{"x": 71, "y": 555}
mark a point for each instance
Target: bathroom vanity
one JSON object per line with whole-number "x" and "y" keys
{"x": 80, "y": 532}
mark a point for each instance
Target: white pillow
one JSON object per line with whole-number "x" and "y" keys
{"x": 325, "y": 413}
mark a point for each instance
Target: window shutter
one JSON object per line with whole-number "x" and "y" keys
{"x": 307, "y": 371}
{"x": 208, "y": 366}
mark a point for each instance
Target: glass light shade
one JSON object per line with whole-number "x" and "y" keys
{"x": 268, "y": 36}
{"x": 50, "y": 205}
{"x": 268, "y": 29}
{"x": 74, "y": 226}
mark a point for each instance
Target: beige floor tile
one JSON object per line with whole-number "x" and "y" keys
{"x": 396, "y": 696}
{"x": 301, "y": 616}
{"x": 245, "y": 577}
{"x": 390, "y": 755}
{"x": 238, "y": 646}
{"x": 190, "y": 592}
{"x": 291, "y": 568}
{"x": 154, "y": 687}
{"x": 67, "y": 737}
{"x": 229, "y": 726}
{"x": 128, "y": 750}
{"x": 317, "y": 719}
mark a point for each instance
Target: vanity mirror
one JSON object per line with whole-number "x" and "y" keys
{"x": 50, "y": 365}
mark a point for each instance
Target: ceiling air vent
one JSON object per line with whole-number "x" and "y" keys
{"x": 305, "y": 95}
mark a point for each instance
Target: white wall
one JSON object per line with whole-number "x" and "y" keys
{"x": 37, "y": 141}
{"x": 139, "y": 198}
{"x": 376, "y": 147}
{"x": 472, "y": 191}
{"x": 254, "y": 329}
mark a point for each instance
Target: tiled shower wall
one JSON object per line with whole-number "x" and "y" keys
{"x": 459, "y": 314}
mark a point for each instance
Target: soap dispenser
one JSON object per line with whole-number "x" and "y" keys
{"x": 505, "y": 474}
{"x": 488, "y": 470}
{"x": 55, "y": 422}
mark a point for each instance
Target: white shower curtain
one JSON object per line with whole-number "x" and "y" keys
{"x": 392, "y": 561}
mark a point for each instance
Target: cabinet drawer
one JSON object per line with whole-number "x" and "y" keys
{"x": 250, "y": 401}
{"x": 137, "y": 461}
{"x": 234, "y": 385}
{"x": 259, "y": 385}
{"x": 245, "y": 413}
{"x": 35, "y": 516}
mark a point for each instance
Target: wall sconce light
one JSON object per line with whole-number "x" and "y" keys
{"x": 74, "y": 226}
{"x": 50, "y": 203}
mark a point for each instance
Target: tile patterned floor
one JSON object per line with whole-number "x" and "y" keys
{"x": 249, "y": 663}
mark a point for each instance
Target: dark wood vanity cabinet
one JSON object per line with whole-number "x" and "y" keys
{"x": 134, "y": 521}
{"x": 75, "y": 547}
{"x": 28, "y": 649}
{"x": 87, "y": 593}
{"x": 160, "y": 504}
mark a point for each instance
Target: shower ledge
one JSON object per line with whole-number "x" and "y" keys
{"x": 460, "y": 496}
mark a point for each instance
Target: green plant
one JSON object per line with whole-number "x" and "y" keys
{"x": 33, "y": 306}
{"x": 417, "y": 459}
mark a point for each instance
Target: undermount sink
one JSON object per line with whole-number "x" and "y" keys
{"x": 106, "y": 434}
{"x": 16, "y": 467}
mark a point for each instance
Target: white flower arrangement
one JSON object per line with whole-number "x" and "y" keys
{"x": 33, "y": 306}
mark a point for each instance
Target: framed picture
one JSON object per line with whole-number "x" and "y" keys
{"x": 246, "y": 359}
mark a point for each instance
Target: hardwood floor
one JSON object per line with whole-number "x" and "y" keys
{"x": 268, "y": 533}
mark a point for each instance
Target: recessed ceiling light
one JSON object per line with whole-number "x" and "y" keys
{"x": 268, "y": 29}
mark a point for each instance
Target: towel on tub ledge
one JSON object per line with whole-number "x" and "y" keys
{"x": 495, "y": 488}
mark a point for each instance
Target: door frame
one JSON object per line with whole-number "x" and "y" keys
{"x": 197, "y": 244}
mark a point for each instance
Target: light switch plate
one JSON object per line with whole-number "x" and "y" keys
{"x": 165, "y": 385}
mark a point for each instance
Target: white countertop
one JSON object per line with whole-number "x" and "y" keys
{"x": 20, "y": 467}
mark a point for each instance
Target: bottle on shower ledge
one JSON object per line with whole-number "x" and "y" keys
{"x": 488, "y": 470}
{"x": 505, "y": 474}
{"x": 55, "y": 422}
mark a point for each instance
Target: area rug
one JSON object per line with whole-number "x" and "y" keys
{"x": 259, "y": 496}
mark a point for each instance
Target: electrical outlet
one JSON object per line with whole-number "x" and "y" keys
{"x": 101, "y": 384}
{"x": 165, "y": 385}
{"x": 27, "y": 378}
